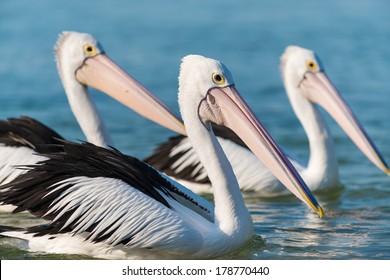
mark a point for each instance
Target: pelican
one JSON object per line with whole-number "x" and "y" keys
{"x": 99, "y": 197}
{"x": 306, "y": 85}
{"x": 81, "y": 62}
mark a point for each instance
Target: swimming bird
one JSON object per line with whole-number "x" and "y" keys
{"x": 81, "y": 62}
{"x": 307, "y": 86}
{"x": 110, "y": 205}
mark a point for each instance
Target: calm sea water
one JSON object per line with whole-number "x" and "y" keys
{"x": 148, "y": 40}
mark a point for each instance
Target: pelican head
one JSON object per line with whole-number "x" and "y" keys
{"x": 81, "y": 61}
{"x": 215, "y": 99}
{"x": 304, "y": 74}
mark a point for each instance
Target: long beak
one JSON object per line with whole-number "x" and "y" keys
{"x": 224, "y": 106}
{"x": 319, "y": 89}
{"x": 104, "y": 75}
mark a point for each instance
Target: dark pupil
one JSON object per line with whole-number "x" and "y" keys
{"x": 218, "y": 78}
{"x": 89, "y": 49}
{"x": 311, "y": 65}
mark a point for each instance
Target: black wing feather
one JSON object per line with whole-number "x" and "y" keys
{"x": 28, "y": 132}
{"x": 38, "y": 189}
{"x": 31, "y": 191}
{"x": 34, "y": 192}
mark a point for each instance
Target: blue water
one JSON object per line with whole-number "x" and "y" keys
{"x": 148, "y": 39}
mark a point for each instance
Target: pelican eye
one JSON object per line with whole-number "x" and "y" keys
{"x": 311, "y": 65}
{"x": 90, "y": 50}
{"x": 218, "y": 79}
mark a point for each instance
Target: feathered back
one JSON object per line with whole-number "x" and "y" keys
{"x": 28, "y": 132}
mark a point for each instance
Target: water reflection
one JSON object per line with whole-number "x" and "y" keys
{"x": 291, "y": 231}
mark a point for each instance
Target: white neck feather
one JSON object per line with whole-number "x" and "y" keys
{"x": 231, "y": 215}
{"x": 322, "y": 166}
{"x": 85, "y": 111}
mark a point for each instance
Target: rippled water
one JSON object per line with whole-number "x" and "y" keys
{"x": 148, "y": 40}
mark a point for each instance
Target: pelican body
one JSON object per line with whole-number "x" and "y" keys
{"x": 107, "y": 204}
{"x": 307, "y": 86}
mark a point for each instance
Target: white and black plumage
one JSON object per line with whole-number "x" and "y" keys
{"x": 106, "y": 204}
{"x": 81, "y": 62}
{"x": 21, "y": 140}
{"x": 306, "y": 86}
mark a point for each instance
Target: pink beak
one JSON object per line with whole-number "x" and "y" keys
{"x": 224, "y": 106}
{"x": 319, "y": 89}
{"x": 103, "y": 74}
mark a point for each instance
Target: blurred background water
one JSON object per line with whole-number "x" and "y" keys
{"x": 148, "y": 39}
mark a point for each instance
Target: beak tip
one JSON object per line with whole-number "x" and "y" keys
{"x": 320, "y": 211}
{"x": 183, "y": 128}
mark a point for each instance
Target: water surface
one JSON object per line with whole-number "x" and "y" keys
{"x": 148, "y": 40}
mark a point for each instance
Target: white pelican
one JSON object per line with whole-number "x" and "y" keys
{"x": 306, "y": 85}
{"x": 99, "y": 198}
{"x": 81, "y": 62}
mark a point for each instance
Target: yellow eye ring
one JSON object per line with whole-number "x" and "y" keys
{"x": 311, "y": 65}
{"x": 89, "y": 49}
{"x": 219, "y": 79}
